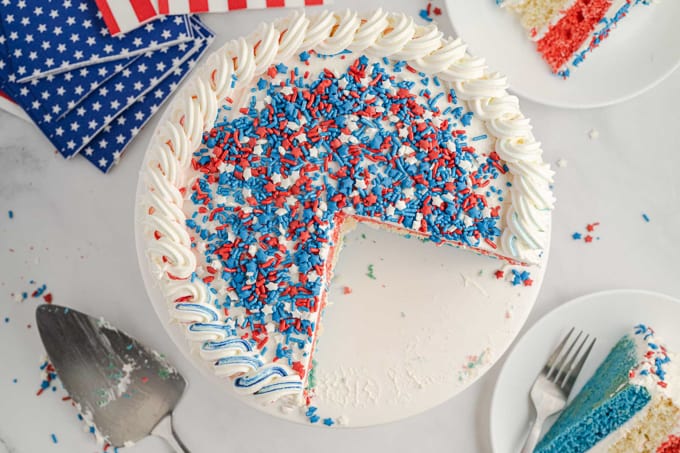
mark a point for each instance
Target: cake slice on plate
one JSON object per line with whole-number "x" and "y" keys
{"x": 629, "y": 405}
{"x": 566, "y": 31}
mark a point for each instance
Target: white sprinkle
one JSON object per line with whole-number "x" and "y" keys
{"x": 562, "y": 163}
{"x": 401, "y": 205}
{"x": 593, "y": 134}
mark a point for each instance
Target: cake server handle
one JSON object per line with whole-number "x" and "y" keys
{"x": 534, "y": 434}
{"x": 165, "y": 430}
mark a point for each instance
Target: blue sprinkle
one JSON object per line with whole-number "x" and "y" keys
{"x": 423, "y": 15}
{"x": 54, "y": 438}
{"x": 328, "y": 421}
{"x": 576, "y": 236}
{"x": 304, "y": 56}
{"x": 479, "y": 137}
{"x": 644, "y": 216}
{"x": 10, "y": 214}
{"x": 466, "y": 119}
{"x": 6, "y": 320}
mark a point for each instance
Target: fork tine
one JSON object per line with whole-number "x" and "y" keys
{"x": 553, "y": 357}
{"x": 570, "y": 379}
{"x": 554, "y": 373}
{"x": 564, "y": 371}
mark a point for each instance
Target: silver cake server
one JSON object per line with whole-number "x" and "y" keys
{"x": 125, "y": 389}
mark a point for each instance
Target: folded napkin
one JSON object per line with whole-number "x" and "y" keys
{"x": 88, "y": 92}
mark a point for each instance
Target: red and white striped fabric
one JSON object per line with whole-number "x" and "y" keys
{"x": 122, "y": 16}
{"x": 220, "y": 6}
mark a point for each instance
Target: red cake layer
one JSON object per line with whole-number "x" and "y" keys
{"x": 565, "y": 37}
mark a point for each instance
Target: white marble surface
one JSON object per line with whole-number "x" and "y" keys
{"x": 72, "y": 229}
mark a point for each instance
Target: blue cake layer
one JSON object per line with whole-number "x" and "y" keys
{"x": 606, "y": 402}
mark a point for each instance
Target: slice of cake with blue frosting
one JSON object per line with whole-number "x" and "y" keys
{"x": 629, "y": 405}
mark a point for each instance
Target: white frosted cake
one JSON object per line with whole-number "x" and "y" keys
{"x": 286, "y": 139}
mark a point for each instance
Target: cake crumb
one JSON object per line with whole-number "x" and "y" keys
{"x": 593, "y": 134}
{"x": 562, "y": 163}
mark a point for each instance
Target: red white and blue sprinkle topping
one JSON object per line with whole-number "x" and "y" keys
{"x": 655, "y": 357}
{"x": 378, "y": 141}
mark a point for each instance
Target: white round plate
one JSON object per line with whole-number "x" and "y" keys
{"x": 607, "y": 315}
{"x": 634, "y": 58}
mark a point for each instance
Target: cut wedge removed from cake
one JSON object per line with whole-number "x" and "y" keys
{"x": 287, "y": 138}
{"x": 629, "y": 405}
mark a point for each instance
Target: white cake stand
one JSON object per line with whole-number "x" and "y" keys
{"x": 431, "y": 322}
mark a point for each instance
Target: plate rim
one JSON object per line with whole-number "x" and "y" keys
{"x": 554, "y": 312}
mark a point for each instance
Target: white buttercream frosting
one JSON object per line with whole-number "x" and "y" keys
{"x": 229, "y": 72}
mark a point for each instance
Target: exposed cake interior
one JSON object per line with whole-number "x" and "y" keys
{"x": 535, "y": 15}
{"x": 566, "y": 37}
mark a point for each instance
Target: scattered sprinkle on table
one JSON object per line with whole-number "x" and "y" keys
{"x": 593, "y": 134}
{"x": 346, "y": 290}
{"x": 10, "y": 213}
{"x": 562, "y": 163}
{"x": 586, "y": 236}
{"x": 427, "y": 13}
{"x": 370, "y": 273}
{"x": 54, "y": 438}
{"x": 645, "y": 217}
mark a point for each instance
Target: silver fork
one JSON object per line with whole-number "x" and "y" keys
{"x": 551, "y": 389}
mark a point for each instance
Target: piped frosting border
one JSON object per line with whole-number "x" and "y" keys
{"x": 194, "y": 110}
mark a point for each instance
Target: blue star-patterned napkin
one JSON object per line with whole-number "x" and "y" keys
{"x": 106, "y": 148}
{"x": 57, "y": 94}
{"x": 49, "y": 36}
{"x": 71, "y": 132}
